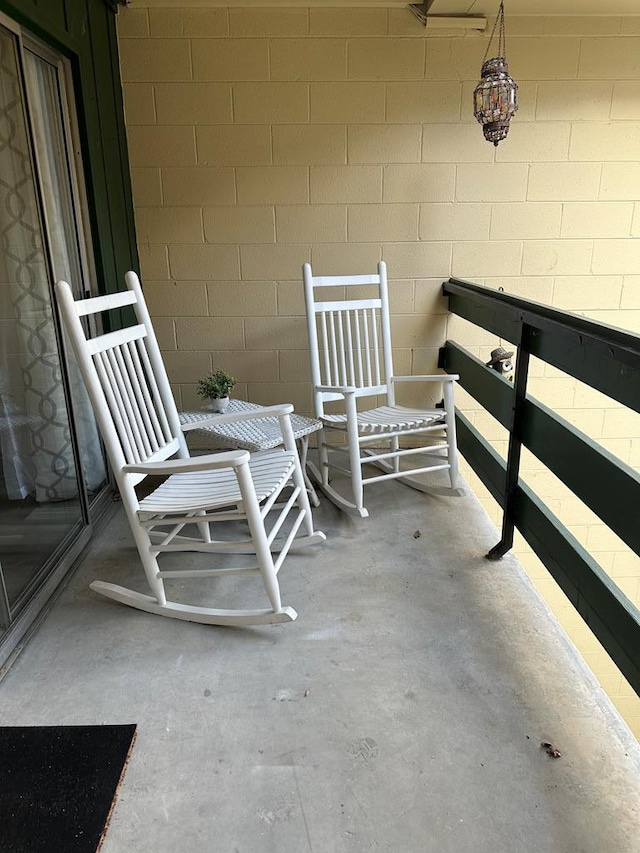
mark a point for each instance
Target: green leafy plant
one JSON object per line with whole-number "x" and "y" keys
{"x": 216, "y": 385}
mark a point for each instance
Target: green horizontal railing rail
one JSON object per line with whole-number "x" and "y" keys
{"x": 602, "y": 357}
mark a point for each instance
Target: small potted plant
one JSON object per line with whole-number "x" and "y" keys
{"x": 215, "y": 387}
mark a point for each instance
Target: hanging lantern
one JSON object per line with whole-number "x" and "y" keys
{"x": 495, "y": 98}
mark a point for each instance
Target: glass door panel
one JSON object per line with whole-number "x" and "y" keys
{"x": 66, "y": 245}
{"x": 41, "y": 499}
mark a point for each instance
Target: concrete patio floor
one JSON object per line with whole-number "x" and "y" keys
{"x": 403, "y": 711}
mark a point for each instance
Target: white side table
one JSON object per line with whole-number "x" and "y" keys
{"x": 258, "y": 434}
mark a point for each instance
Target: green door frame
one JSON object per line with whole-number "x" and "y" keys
{"x": 85, "y": 32}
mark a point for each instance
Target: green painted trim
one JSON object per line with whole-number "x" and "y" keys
{"x": 612, "y": 617}
{"x": 590, "y": 471}
{"x": 488, "y": 387}
{"x": 606, "y": 485}
{"x": 485, "y": 461}
{"x": 85, "y": 32}
{"x": 603, "y": 357}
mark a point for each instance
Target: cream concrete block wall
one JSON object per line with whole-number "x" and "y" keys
{"x": 263, "y": 138}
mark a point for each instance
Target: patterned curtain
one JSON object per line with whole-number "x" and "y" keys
{"x": 37, "y": 454}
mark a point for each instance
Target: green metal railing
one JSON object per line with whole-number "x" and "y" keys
{"x": 603, "y": 358}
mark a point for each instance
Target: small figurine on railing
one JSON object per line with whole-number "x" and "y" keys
{"x": 501, "y": 362}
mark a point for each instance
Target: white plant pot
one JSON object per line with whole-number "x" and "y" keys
{"x": 218, "y": 405}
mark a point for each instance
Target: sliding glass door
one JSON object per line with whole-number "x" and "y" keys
{"x": 52, "y": 468}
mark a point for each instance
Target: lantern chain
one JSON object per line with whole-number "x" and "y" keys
{"x": 502, "y": 46}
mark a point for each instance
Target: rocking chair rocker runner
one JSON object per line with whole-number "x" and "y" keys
{"x": 351, "y": 359}
{"x": 137, "y": 416}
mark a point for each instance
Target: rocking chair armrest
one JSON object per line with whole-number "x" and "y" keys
{"x": 208, "y": 462}
{"x": 438, "y": 377}
{"x": 236, "y": 417}
{"x": 337, "y": 389}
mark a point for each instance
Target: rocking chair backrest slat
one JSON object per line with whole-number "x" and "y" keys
{"x": 125, "y": 378}
{"x": 349, "y": 338}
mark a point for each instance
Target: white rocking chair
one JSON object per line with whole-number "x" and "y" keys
{"x": 351, "y": 359}
{"x": 138, "y": 419}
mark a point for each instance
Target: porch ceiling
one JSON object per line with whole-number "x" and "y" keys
{"x": 439, "y": 7}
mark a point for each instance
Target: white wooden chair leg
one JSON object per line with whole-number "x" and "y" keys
{"x": 354, "y": 456}
{"x": 203, "y": 527}
{"x": 323, "y": 458}
{"x": 395, "y": 446}
{"x": 258, "y": 534}
{"x": 450, "y": 420}
{"x": 143, "y": 544}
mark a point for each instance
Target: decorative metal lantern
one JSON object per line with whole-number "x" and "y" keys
{"x": 495, "y": 98}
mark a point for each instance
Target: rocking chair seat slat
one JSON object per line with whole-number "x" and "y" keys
{"x": 185, "y": 493}
{"x": 386, "y": 419}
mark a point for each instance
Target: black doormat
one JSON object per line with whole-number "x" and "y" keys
{"x": 58, "y": 785}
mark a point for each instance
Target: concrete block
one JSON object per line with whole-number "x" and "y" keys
{"x": 133, "y": 23}
{"x": 273, "y": 185}
{"x": 455, "y": 143}
{"x": 305, "y": 145}
{"x": 152, "y": 60}
{"x": 146, "y": 187}
{"x": 276, "y": 333}
{"x": 139, "y": 104}
{"x": 193, "y": 103}
{"x": 454, "y": 221}
{"x": 208, "y": 333}
{"x": 348, "y": 22}
{"x": 204, "y": 262}
{"x": 154, "y": 261}
{"x": 564, "y": 181}
{"x": 610, "y": 59}
{"x": 419, "y": 182}
{"x": 169, "y": 224}
{"x": 270, "y": 103}
{"x": 573, "y": 100}
{"x": 233, "y": 145}
{"x": 176, "y": 299}
{"x": 499, "y": 257}
{"x": 625, "y": 103}
{"x": 525, "y": 220}
{"x": 559, "y": 257}
{"x": 417, "y": 260}
{"x": 344, "y": 259}
{"x": 325, "y": 223}
{"x": 242, "y": 298}
{"x": 158, "y": 145}
{"x": 496, "y": 182}
{"x": 355, "y": 184}
{"x": 596, "y": 219}
{"x": 373, "y": 222}
{"x": 273, "y": 262}
{"x": 616, "y": 257}
{"x": 380, "y": 143}
{"x": 198, "y": 186}
{"x": 308, "y": 59}
{"x": 350, "y": 102}
{"x": 190, "y": 23}
{"x": 268, "y": 23}
{"x": 423, "y": 102}
{"x": 386, "y": 59}
{"x": 230, "y": 59}
{"x": 239, "y": 224}
{"x": 529, "y": 143}
{"x": 596, "y": 141}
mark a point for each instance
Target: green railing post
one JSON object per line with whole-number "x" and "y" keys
{"x": 515, "y": 443}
